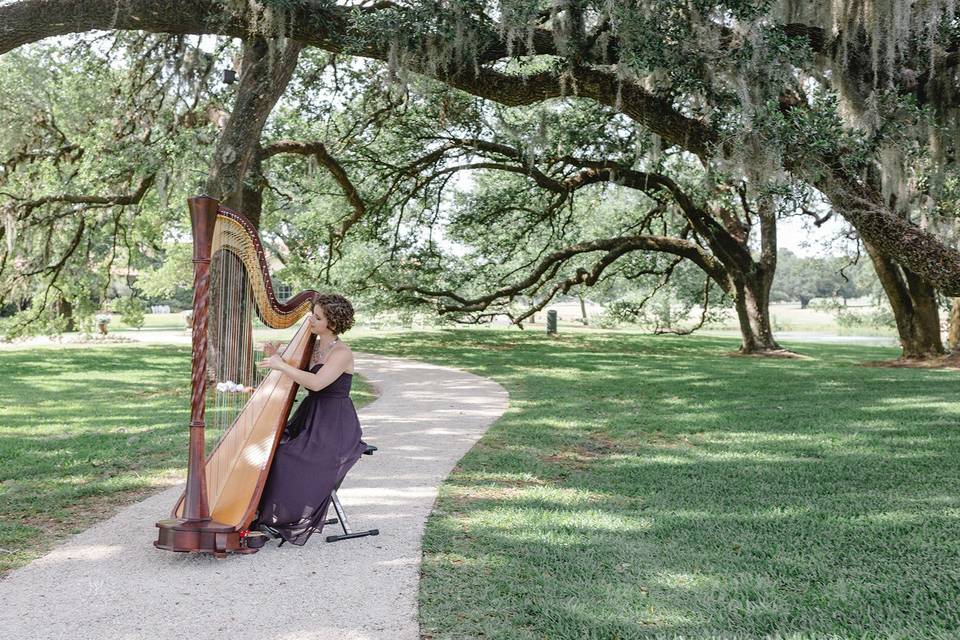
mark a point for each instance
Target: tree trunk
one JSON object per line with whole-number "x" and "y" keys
{"x": 914, "y": 305}
{"x": 583, "y": 310}
{"x": 236, "y": 180}
{"x": 953, "y": 333}
{"x": 264, "y": 76}
{"x": 751, "y": 281}
{"x": 66, "y": 312}
{"x": 752, "y": 301}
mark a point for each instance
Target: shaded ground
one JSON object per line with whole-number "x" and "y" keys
{"x": 85, "y": 431}
{"x": 109, "y": 582}
{"x": 655, "y": 487}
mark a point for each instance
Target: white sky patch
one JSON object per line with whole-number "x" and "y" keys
{"x": 799, "y": 235}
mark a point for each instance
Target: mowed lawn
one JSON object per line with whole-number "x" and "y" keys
{"x": 637, "y": 486}
{"x": 85, "y": 431}
{"x": 658, "y": 487}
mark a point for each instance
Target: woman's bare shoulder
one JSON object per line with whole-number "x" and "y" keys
{"x": 345, "y": 355}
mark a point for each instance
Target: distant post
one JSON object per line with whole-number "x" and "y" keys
{"x": 551, "y": 322}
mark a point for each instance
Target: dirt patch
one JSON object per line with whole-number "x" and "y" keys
{"x": 579, "y": 456}
{"x": 666, "y": 441}
{"x": 602, "y": 443}
{"x": 169, "y": 392}
{"x": 572, "y": 460}
{"x": 950, "y": 361}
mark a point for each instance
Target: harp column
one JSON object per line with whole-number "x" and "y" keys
{"x": 203, "y": 216}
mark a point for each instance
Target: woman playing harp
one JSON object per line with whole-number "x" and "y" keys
{"x": 321, "y": 441}
{"x": 231, "y": 283}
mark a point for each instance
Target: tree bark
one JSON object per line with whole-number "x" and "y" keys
{"x": 752, "y": 302}
{"x": 953, "y": 333}
{"x": 914, "y": 305}
{"x": 583, "y": 310}
{"x": 235, "y": 169}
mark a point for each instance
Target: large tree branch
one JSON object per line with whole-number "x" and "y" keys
{"x": 613, "y": 246}
{"x": 909, "y": 245}
{"x": 319, "y": 151}
{"x": 729, "y": 249}
{"x": 331, "y": 27}
{"x": 32, "y": 20}
{"x": 655, "y": 113}
{"x": 312, "y": 23}
{"x": 120, "y": 199}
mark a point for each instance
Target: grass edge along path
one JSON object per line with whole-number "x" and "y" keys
{"x": 86, "y": 431}
{"x": 658, "y": 487}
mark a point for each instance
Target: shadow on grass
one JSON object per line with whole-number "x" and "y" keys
{"x": 641, "y": 487}
{"x": 84, "y": 432}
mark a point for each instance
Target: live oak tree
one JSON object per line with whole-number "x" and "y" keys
{"x": 755, "y": 87}
{"x": 96, "y": 153}
{"x": 536, "y": 220}
{"x": 532, "y": 225}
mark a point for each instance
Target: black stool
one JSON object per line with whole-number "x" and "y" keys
{"x": 342, "y": 516}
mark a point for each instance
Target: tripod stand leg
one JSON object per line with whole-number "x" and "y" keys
{"x": 347, "y": 531}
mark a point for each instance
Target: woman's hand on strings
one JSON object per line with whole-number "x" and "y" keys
{"x": 274, "y": 362}
{"x": 270, "y": 348}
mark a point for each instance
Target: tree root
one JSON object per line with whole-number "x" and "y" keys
{"x": 771, "y": 353}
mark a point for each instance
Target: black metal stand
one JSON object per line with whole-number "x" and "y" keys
{"x": 348, "y": 533}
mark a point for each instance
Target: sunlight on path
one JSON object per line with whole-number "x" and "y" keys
{"x": 109, "y": 582}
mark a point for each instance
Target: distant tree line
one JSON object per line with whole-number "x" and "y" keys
{"x": 802, "y": 279}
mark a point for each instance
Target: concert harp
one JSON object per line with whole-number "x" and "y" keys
{"x": 231, "y": 283}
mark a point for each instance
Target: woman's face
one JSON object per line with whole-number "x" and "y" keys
{"x": 318, "y": 322}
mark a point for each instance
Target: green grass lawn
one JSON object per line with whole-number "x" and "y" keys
{"x": 152, "y": 322}
{"x": 657, "y": 487}
{"x": 636, "y": 487}
{"x": 84, "y": 431}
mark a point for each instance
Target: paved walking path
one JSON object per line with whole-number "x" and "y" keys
{"x": 110, "y": 583}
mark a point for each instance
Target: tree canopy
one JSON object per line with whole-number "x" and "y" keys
{"x": 752, "y": 102}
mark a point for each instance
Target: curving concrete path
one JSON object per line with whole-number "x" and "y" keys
{"x": 109, "y": 582}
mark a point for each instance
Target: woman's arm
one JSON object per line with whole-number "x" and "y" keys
{"x": 335, "y": 365}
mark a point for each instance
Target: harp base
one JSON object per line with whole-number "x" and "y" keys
{"x": 200, "y": 536}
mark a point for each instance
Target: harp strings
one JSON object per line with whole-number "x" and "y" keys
{"x": 238, "y": 302}
{"x": 235, "y": 375}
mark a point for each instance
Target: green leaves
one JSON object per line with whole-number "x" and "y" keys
{"x": 101, "y": 152}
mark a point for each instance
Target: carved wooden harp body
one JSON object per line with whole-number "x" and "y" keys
{"x": 223, "y": 489}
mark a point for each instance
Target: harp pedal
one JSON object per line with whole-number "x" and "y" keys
{"x": 253, "y": 541}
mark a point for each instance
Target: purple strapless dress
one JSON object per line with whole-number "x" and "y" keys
{"x": 320, "y": 443}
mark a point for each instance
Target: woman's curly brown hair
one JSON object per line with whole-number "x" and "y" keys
{"x": 337, "y": 310}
